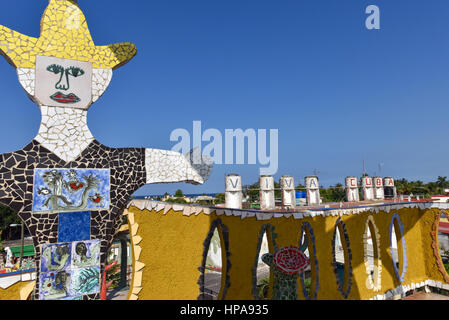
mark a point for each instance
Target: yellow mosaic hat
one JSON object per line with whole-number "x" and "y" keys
{"x": 64, "y": 34}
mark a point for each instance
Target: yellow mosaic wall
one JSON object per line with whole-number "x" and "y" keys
{"x": 18, "y": 291}
{"x": 171, "y": 251}
{"x": 64, "y": 34}
{"x": 168, "y": 249}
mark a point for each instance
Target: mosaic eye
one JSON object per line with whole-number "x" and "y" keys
{"x": 75, "y": 72}
{"x": 55, "y": 68}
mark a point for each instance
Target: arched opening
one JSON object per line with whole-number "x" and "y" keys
{"x": 443, "y": 238}
{"x": 342, "y": 257}
{"x": 309, "y": 278}
{"x": 119, "y": 263}
{"x": 213, "y": 268}
{"x": 17, "y": 251}
{"x": 214, "y": 279}
{"x": 398, "y": 248}
{"x": 440, "y": 247}
{"x": 262, "y": 274}
{"x": 373, "y": 265}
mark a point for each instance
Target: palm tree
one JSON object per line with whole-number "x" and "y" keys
{"x": 442, "y": 184}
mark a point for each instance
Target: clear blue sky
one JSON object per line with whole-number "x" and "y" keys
{"x": 338, "y": 93}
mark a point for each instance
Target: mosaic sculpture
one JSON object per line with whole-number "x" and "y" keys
{"x": 287, "y": 264}
{"x": 64, "y": 170}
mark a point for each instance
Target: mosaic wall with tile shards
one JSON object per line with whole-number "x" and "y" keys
{"x": 127, "y": 168}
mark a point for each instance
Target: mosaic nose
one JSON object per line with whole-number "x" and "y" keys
{"x": 63, "y": 83}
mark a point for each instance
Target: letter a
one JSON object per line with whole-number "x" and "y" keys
{"x": 373, "y": 21}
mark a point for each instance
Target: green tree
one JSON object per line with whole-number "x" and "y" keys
{"x": 220, "y": 198}
{"x": 252, "y": 191}
{"x": 177, "y": 200}
{"x": 179, "y": 194}
{"x": 335, "y": 193}
{"x": 442, "y": 184}
{"x": 7, "y": 217}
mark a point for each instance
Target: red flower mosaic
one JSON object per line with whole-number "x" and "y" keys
{"x": 291, "y": 260}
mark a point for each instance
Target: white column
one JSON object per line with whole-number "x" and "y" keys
{"x": 352, "y": 189}
{"x": 313, "y": 190}
{"x": 368, "y": 188}
{"x": 379, "y": 188}
{"x": 233, "y": 192}
{"x": 267, "y": 201}
{"x": 288, "y": 192}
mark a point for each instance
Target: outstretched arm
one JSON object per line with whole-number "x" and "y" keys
{"x": 163, "y": 166}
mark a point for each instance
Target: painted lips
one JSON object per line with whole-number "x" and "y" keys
{"x": 65, "y": 98}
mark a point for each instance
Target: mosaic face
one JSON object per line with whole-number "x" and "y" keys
{"x": 63, "y": 82}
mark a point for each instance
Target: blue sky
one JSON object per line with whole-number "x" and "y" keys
{"x": 337, "y": 92}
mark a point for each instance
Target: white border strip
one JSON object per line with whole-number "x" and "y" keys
{"x": 192, "y": 209}
{"x": 402, "y": 290}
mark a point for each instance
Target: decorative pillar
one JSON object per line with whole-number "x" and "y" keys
{"x": 233, "y": 192}
{"x": 379, "y": 188}
{"x": 288, "y": 192}
{"x": 313, "y": 190}
{"x": 368, "y": 188}
{"x": 352, "y": 189}
{"x": 389, "y": 188}
{"x": 267, "y": 201}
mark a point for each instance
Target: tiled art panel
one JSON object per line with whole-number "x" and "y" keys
{"x": 70, "y": 270}
{"x": 54, "y": 285}
{"x": 85, "y": 254}
{"x": 74, "y": 226}
{"x": 85, "y": 281}
{"x": 67, "y": 190}
{"x": 55, "y": 257}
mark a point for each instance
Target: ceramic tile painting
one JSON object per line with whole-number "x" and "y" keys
{"x": 85, "y": 281}
{"x": 67, "y": 190}
{"x": 54, "y": 285}
{"x": 55, "y": 257}
{"x": 85, "y": 254}
{"x": 69, "y": 270}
